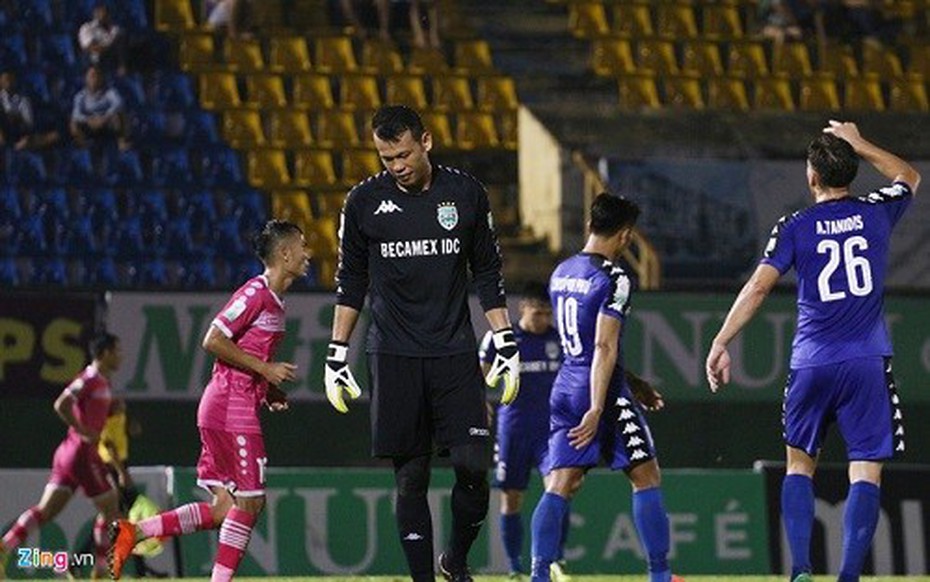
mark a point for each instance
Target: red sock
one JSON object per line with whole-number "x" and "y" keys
{"x": 234, "y": 537}
{"x": 101, "y": 540}
{"x": 180, "y": 520}
{"x": 28, "y": 521}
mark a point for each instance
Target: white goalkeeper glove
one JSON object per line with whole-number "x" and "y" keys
{"x": 338, "y": 376}
{"x": 506, "y": 364}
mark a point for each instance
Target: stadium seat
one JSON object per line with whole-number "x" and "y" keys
{"x": 242, "y": 128}
{"x": 219, "y": 91}
{"x": 773, "y": 93}
{"x": 265, "y": 91}
{"x": 881, "y": 61}
{"x": 148, "y": 127}
{"x": 473, "y": 57}
{"x": 427, "y": 61}
{"x": 405, "y": 89}
{"x": 612, "y": 56}
{"x": 313, "y": 91}
{"x": 747, "y": 60}
{"x": 837, "y": 59}
{"x": 701, "y": 57}
{"x": 49, "y": 271}
{"x": 219, "y": 167}
{"x": 676, "y": 20}
{"x": 75, "y": 167}
{"x": 439, "y": 127}
{"x": 34, "y": 83}
{"x": 328, "y": 202}
{"x": 243, "y": 55}
{"x": 227, "y": 242}
{"x": 727, "y": 94}
{"x": 123, "y": 169}
{"x": 792, "y": 59}
{"x": 10, "y": 209}
{"x": 587, "y": 19}
{"x": 657, "y": 56}
{"x": 174, "y": 92}
{"x": 918, "y": 61}
{"x": 358, "y": 164}
{"x": 497, "y": 93}
{"x": 334, "y": 54}
{"x": 638, "y": 92}
{"x": 100, "y": 272}
{"x": 153, "y": 207}
{"x": 202, "y": 209}
{"x": 9, "y": 271}
{"x": 314, "y": 168}
{"x": 819, "y": 93}
{"x": 452, "y": 93}
{"x": 337, "y": 128}
{"x": 173, "y": 15}
{"x": 721, "y": 21}
{"x": 54, "y": 203}
{"x": 101, "y": 204}
{"x": 908, "y": 94}
{"x": 863, "y": 94}
{"x": 267, "y": 169}
{"x": 381, "y": 57}
{"x": 682, "y": 92}
{"x": 196, "y": 52}
{"x": 178, "y": 237}
{"x": 200, "y": 129}
{"x": 35, "y": 14}
{"x": 132, "y": 14}
{"x": 171, "y": 168}
{"x": 25, "y": 168}
{"x": 152, "y": 272}
{"x": 633, "y": 19}
{"x": 293, "y": 205}
{"x": 507, "y": 129}
{"x": 359, "y": 92}
{"x": 476, "y": 130}
{"x": 289, "y": 54}
{"x": 289, "y": 129}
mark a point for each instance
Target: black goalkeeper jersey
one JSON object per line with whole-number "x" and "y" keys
{"x": 411, "y": 253}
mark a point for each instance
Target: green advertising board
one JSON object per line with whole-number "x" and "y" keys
{"x": 340, "y": 522}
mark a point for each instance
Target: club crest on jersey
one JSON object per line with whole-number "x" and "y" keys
{"x": 447, "y": 214}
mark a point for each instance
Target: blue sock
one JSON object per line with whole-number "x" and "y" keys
{"x": 859, "y": 521}
{"x": 652, "y": 525}
{"x": 566, "y": 524}
{"x": 797, "y": 511}
{"x": 512, "y": 536}
{"x": 547, "y": 531}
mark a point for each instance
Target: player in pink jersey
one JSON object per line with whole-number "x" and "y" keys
{"x": 83, "y": 406}
{"x": 243, "y": 337}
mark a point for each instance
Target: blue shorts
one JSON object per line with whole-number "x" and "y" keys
{"x": 858, "y": 395}
{"x": 516, "y": 452}
{"x": 623, "y": 438}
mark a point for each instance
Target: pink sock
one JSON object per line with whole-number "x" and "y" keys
{"x": 28, "y": 521}
{"x": 180, "y": 520}
{"x": 101, "y": 540}
{"x": 234, "y": 537}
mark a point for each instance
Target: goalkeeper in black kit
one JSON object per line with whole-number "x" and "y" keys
{"x": 408, "y": 238}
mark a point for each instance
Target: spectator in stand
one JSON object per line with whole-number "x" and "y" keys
{"x": 16, "y": 122}
{"x": 229, "y": 16}
{"x": 383, "y": 8}
{"x": 102, "y": 41}
{"x": 97, "y": 112}
{"x": 425, "y": 28}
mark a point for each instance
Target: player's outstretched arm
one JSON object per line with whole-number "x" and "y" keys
{"x": 888, "y": 164}
{"x": 744, "y": 307}
{"x": 225, "y": 349}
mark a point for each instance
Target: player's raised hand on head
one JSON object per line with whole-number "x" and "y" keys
{"x": 506, "y": 364}
{"x": 718, "y": 367}
{"x": 278, "y": 372}
{"x": 338, "y": 377}
{"x": 276, "y": 399}
{"x": 844, "y": 130}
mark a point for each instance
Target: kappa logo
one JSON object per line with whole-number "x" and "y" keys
{"x": 387, "y": 207}
{"x": 413, "y": 537}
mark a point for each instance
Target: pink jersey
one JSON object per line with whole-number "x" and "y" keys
{"x": 254, "y": 320}
{"x": 91, "y": 391}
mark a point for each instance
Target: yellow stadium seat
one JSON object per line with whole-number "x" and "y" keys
{"x": 677, "y": 20}
{"x": 242, "y": 128}
{"x": 292, "y": 205}
{"x": 837, "y": 59}
{"x": 265, "y": 91}
{"x": 473, "y": 57}
{"x": 359, "y": 164}
{"x": 879, "y": 60}
{"x": 612, "y": 56}
{"x": 289, "y": 128}
{"x": 587, "y": 18}
{"x": 359, "y": 92}
{"x": 701, "y": 57}
{"x": 335, "y": 54}
{"x": 918, "y": 62}
{"x": 313, "y": 91}
{"x": 381, "y": 57}
{"x": 638, "y": 92}
{"x": 452, "y": 93}
{"x": 406, "y": 90}
{"x": 337, "y": 128}
{"x": 792, "y": 59}
{"x": 633, "y": 18}
{"x": 427, "y": 61}
{"x": 819, "y": 93}
{"x": 267, "y": 169}
{"x": 908, "y": 94}
{"x": 314, "y": 168}
{"x": 219, "y": 91}
{"x": 683, "y": 93}
{"x": 721, "y": 20}
{"x": 173, "y": 15}
{"x": 747, "y": 59}
{"x": 727, "y": 93}
{"x": 475, "y": 130}
{"x": 243, "y": 55}
{"x": 507, "y": 124}
{"x": 289, "y": 54}
{"x": 497, "y": 93}
{"x": 863, "y": 94}
{"x": 773, "y": 93}
{"x": 329, "y": 201}
{"x": 196, "y": 51}
{"x": 437, "y": 124}
{"x": 657, "y": 56}
{"x": 324, "y": 239}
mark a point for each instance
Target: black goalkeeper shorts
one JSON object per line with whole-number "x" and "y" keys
{"x": 420, "y": 404}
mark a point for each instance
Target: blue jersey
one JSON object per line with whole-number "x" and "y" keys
{"x": 540, "y": 358}
{"x": 583, "y": 287}
{"x": 840, "y": 252}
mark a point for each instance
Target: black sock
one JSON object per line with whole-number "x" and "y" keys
{"x": 470, "y": 497}
{"x": 414, "y": 523}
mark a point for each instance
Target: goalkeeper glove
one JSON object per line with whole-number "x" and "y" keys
{"x": 506, "y": 363}
{"x": 338, "y": 376}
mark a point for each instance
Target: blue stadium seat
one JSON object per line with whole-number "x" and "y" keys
{"x": 220, "y": 168}
{"x": 171, "y": 168}
{"x": 25, "y": 168}
{"x": 48, "y": 271}
{"x": 199, "y": 272}
{"x": 227, "y": 239}
{"x": 77, "y": 12}
{"x": 152, "y": 206}
{"x": 100, "y": 272}
{"x": 152, "y": 273}
{"x": 200, "y": 129}
{"x": 10, "y": 209}
{"x": 55, "y": 203}
{"x": 131, "y": 89}
{"x": 250, "y": 207}
{"x": 101, "y": 205}
{"x": 148, "y": 127}
{"x": 35, "y": 14}
{"x": 76, "y": 167}
{"x": 178, "y": 238}
{"x": 131, "y": 14}
{"x": 202, "y": 210}
{"x": 174, "y": 92}
{"x": 80, "y": 236}
{"x": 123, "y": 169}
{"x": 9, "y": 273}
{"x": 13, "y": 51}
{"x": 244, "y": 269}
{"x": 58, "y": 52}
{"x": 34, "y": 83}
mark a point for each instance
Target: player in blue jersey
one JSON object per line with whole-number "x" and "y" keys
{"x": 841, "y": 356}
{"x": 595, "y": 413}
{"x": 523, "y": 426}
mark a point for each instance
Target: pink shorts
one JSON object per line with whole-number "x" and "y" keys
{"x": 233, "y": 461}
{"x": 78, "y": 464}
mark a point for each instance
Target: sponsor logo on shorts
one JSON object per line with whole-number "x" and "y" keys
{"x": 476, "y": 431}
